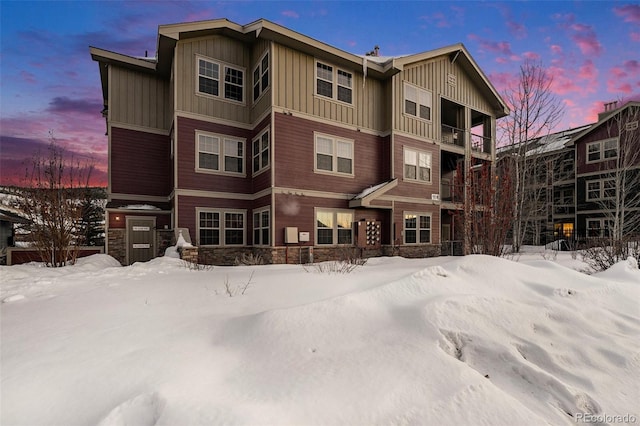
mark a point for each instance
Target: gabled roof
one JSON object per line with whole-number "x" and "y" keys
{"x": 604, "y": 118}
{"x": 374, "y": 66}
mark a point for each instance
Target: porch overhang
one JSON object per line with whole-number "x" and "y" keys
{"x": 369, "y": 195}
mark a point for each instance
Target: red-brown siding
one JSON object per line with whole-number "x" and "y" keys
{"x": 412, "y": 188}
{"x": 187, "y": 176}
{"x": 601, "y": 133}
{"x": 139, "y": 163}
{"x": 294, "y": 151}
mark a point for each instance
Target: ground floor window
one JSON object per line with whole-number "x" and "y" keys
{"x": 417, "y": 228}
{"x": 334, "y": 227}
{"x": 261, "y": 228}
{"x": 216, "y": 228}
{"x": 599, "y": 227}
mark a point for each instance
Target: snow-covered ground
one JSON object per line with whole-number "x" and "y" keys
{"x": 441, "y": 341}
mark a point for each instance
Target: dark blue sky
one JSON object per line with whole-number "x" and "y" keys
{"x": 48, "y": 81}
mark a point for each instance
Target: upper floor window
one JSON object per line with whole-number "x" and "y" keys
{"x": 417, "y": 165}
{"x": 261, "y": 152}
{"x": 601, "y": 189}
{"x": 261, "y": 77}
{"x": 217, "y": 228}
{"x": 334, "y": 227}
{"x": 333, "y": 155}
{"x": 219, "y": 154}
{"x": 417, "y": 228}
{"x": 261, "y": 227}
{"x": 334, "y": 83}
{"x": 209, "y": 80}
{"x": 417, "y": 102}
{"x": 602, "y": 150}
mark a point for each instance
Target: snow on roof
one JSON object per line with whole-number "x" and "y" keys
{"x": 140, "y": 207}
{"x": 369, "y": 190}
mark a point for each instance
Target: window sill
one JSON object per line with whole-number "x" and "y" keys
{"x": 337, "y": 174}
{"x": 220, "y": 173}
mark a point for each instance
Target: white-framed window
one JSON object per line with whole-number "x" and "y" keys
{"x": 599, "y": 227}
{"x": 261, "y": 227}
{"x": 334, "y": 83}
{"x": 417, "y": 102}
{"x": 417, "y": 165}
{"x": 220, "y": 227}
{"x": 261, "y": 76}
{"x": 333, "y": 155}
{"x": 209, "y": 76}
{"x": 601, "y": 189}
{"x": 334, "y": 227}
{"x": 602, "y": 150}
{"x": 417, "y": 228}
{"x": 261, "y": 147}
{"x": 219, "y": 153}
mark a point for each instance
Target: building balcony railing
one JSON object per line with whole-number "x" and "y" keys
{"x": 480, "y": 144}
{"x": 452, "y": 135}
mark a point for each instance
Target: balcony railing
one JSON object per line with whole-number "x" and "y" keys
{"x": 452, "y": 135}
{"x": 480, "y": 144}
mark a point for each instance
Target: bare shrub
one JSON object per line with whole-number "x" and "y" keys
{"x": 333, "y": 267}
{"x": 603, "y": 253}
{"x": 249, "y": 259}
{"x": 231, "y": 290}
{"x": 194, "y": 266}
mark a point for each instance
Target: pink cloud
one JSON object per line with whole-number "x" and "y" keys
{"x": 632, "y": 66}
{"x": 28, "y": 77}
{"x": 563, "y": 82}
{"x": 351, "y": 43}
{"x": 588, "y": 71}
{"x": 500, "y": 47}
{"x": 635, "y": 36}
{"x": 438, "y": 19}
{"x": 583, "y": 35}
{"x": 531, "y": 55}
{"x": 569, "y": 103}
{"x": 628, "y": 12}
{"x": 290, "y": 14}
{"x": 517, "y": 29}
{"x": 556, "y": 50}
{"x": 501, "y": 60}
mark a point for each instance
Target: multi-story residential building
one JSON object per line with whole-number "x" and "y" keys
{"x": 255, "y": 138}
{"x": 582, "y": 179}
{"x": 607, "y": 184}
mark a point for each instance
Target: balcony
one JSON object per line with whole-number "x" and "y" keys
{"x": 452, "y": 135}
{"x": 480, "y": 144}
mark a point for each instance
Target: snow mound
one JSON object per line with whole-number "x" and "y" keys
{"x": 624, "y": 271}
{"x": 143, "y": 410}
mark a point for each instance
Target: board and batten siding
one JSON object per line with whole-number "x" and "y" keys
{"x": 216, "y": 48}
{"x": 294, "y": 89}
{"x": 139, "y": 99}
{"x": 433, "y": 75}
{"x": 263, "y": 103}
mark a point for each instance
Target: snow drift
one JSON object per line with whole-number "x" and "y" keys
{"x": 448, "y": 341}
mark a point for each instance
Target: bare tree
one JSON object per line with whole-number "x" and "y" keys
{"x": 620, "y": 203}
{"x": 487, "y": 208}
{"x": 51, "y": 203}
{"x": 535, "y": 111}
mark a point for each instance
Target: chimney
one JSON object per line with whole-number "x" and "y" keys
{"x": 608, "y": 107}
{"x": 376, "y": 50}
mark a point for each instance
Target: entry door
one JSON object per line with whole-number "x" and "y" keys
{"x": 141, "y": 241}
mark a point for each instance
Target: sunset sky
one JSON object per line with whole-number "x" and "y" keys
{"x": 48, "y": 82}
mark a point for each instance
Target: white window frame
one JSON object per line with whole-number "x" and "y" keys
{"x": 334, "y": 226}
{"x": 419, "y": 96}
{"x": 419, "y": 155}
{"x": 261, "y": 228}
{"x": 336, "y": 82}
{"x": 335, "y": 143}
{"x": 601, "y": 150}
{"x": 261, "y": 149}
{"x": 262, "y": 72}
{"x": 222, "y": 140}
{"x": 221, "y": 80}
{"x": 222, "y": 228}
{"x": 604, "y": 225}
{"x": 418, "y": 228}
{"x": 601, "y": 189}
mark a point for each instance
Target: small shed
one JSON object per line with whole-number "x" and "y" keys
{"x": 7, "y": 231}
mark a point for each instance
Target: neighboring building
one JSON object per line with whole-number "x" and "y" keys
{"x": 259, "y": 139}
{"x": 582, "y": 179}
{"x": 607, "y": 183}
